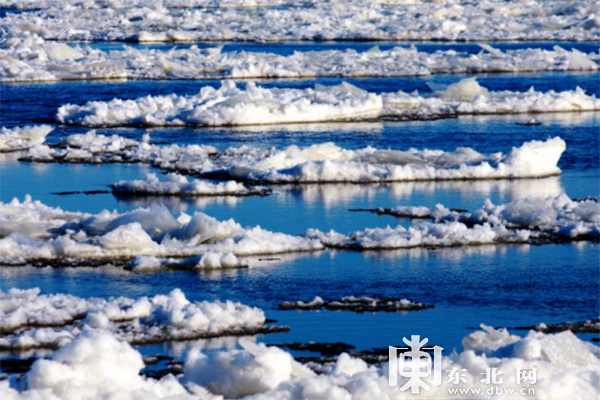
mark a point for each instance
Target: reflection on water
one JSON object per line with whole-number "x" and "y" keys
{"x": 181, "y": 204}
{"x": 333, "y": 195}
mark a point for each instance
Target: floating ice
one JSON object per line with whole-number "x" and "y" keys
{"x": 587, "y": 326}
{"x": 33, "y": 59}
{"x": 32, "y": 320}
{"x": 318, "y": 163}
{"x": 324, "y": 20}
{"x": 357, "y": 304}
{"x": 144, "y": 232}
{"x": 16, "y": 139}
{"x": 178, "y": 185}
{"x": 556, "y": 218}
{"x": 555, "y": 215}
{"x": 230, "y": 105}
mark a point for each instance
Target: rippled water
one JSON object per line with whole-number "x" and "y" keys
{"x": 496, "y": 285}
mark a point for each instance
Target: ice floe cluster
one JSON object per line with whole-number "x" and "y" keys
{"x": 554, "y": 215}
{"x": 34, "y": 320}
{"x": 22, "y": 138}
{"x": 148, "y": 239}
{"x": 556, "y": 218}
{"x": 96, "y": 364}
{"x": 231, "y": 105}
{"x": 325, "y": 162}
{"x": 156, "y": 21}
{"x": 33, "y": 59}
{"x": 151, "y": 232}
{"x": 178, "y": 185}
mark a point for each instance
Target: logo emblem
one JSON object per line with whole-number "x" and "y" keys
{"x": 416, "y": 364}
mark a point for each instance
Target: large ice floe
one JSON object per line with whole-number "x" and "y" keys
{"x": 30, "y": 58}
{"x": 161, "y": 21}
{"x": 144, "y": 232}
{"x": 231, "y": 105}
{"x": 34, "y": 320}
{"x": 149, "y": 239}
{"x": 22, "y": 138}
{"x": 318, "y": 163}
{"x": 96, "y": 364}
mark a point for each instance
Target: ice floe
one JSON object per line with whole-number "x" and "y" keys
{"x": 555, "y": 218}
{"x": 587, "y": 326}
{"x": 31, "y": 59}
{"x": 156, "y": 21}
{"x": 34, "y": 320}
{"x": 318, "y": 163}
{"x": 357, "y": 304}
{"x": 144, "y": 232}
{"x": 231, "y": 105}
{"x": 566, "y": 367}
{"x": 557, "y": 215}
{"x": 17, "y": 139}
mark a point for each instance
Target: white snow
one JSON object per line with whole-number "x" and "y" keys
{"x": 146, "y": 21}
{"x": 178, "y": 185}
{"x": 31, "y": 58}
{"x": 16, "y": 139}
{"x": 230, "y": 105}
{"x": 32, "y": 320}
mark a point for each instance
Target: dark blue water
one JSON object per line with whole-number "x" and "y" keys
{"x": 496, "y": 285}
{"x": 288, "y": 48}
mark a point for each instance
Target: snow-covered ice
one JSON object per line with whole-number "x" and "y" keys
{"x": 324, "y": 162}
{"x": 31, "y": 58}
{"x": 110, "y": 236}
{"x": 557, "y": 215}
{"x": 85, "y": 368}
{"x": 523, "y": 220}
{"x": 17, "y": 139}
{"x": 231, "y": 105}
{"x": 34, "y": 320}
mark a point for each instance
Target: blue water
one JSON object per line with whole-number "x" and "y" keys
{"x": 288, "y": 48}
{"x": 496, "y": 285}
